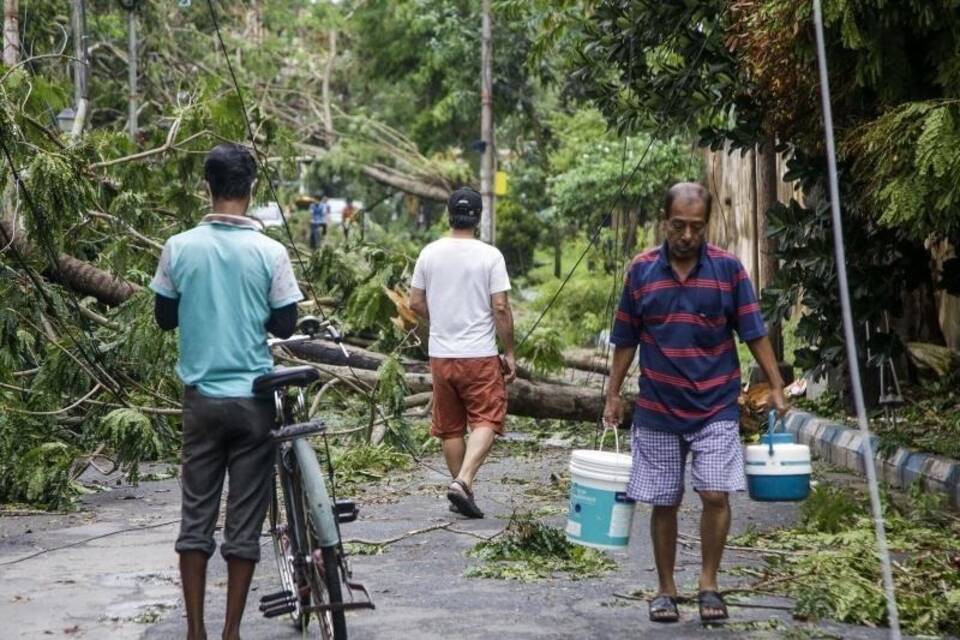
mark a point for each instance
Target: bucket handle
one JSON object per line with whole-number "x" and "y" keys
{"x": 772, "y": 426}
{"x": 603, "y": 435}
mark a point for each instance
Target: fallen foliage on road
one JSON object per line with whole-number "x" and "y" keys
{"x": 530, "y": 550}
{"x": 831, "y": 569}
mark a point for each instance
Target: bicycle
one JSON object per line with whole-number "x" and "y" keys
{"x": 304, "y": 521}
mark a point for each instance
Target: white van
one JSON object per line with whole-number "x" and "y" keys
{"x": 270, "y": 214}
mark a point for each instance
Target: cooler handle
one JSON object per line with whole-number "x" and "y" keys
{"x": 772, "y": 426}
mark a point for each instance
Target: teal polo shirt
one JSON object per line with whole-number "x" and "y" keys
{"x": 227, "y": 276}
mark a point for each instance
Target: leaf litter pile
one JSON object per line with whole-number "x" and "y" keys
{"x": 828, "y": 563}
{"x": 530, "y": 550}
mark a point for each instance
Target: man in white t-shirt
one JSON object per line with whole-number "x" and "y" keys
{"x": 460, "y": 286}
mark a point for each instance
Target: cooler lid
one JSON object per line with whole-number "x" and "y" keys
{"x": 778, "y": 438}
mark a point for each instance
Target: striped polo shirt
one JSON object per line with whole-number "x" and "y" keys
{"x": 689, "y": 370}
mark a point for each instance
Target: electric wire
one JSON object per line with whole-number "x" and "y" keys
{"x": 853, "y": 361}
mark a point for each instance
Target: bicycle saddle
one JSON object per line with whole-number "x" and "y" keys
{"x": 285, "y": 377}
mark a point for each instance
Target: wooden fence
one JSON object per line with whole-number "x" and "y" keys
{"x": 741, "y": 185}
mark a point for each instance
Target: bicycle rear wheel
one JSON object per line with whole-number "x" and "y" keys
{"x": 289, "y": 532}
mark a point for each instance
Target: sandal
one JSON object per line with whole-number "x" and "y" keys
{"x": 460, "y": 495}
{"x": 712, "y": 600}
{"x": 663, "y": 608}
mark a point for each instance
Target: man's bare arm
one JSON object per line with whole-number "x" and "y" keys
{"x": 763, "y": 353}
{"x": 503, "y": 319}
{"x": 622, "y": 359}
{"x": 418, "y": 302}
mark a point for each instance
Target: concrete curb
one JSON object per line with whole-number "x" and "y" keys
{"x": 842, "y": 446}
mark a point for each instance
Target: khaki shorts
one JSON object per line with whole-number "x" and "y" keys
{"x": 467, "y": 391}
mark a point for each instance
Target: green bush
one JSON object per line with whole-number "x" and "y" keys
{"x": 518, "y": 233}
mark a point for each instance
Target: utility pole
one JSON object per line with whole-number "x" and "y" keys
{"x": 488, "y": 228}
{"x": 11, "y": 33}
{"x": 131, "y": 7}
{"x": 79, "y": 24}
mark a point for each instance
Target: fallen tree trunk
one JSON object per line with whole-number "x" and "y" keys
{"x": 329, "y": 353}
{"x": 80, "y": 276}
{"x": 542, "y": 400}
{"x": 592, "y": 362}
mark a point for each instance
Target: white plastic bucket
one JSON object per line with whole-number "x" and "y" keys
{"x": 600, "y": 512}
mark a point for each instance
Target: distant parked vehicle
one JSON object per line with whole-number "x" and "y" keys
{"x": 270, "y": 214}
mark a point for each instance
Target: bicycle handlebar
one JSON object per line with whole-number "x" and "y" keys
{"x": 312, "y": 327}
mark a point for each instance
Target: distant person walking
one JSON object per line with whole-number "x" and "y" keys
{"x": 348, "y": 216}
{"x": 460, "y": 286}
{"x": 225, "y": 284}
{"x": 681, "y": 305}
{"x": 319, "y": 214}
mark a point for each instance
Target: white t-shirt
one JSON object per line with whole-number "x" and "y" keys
{"x": 459, "y": 276}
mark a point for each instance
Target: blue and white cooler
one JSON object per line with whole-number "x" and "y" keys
{"x": 778, "y": 469}
{"x": 600, "y": 511}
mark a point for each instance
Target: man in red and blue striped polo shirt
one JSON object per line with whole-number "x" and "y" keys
{"x": 681, "y": 304}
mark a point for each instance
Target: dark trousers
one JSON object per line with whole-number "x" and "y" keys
{"x": 318, "y": 231}
{"x": 225, "y": 436}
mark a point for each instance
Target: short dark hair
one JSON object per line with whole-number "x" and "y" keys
{"x": 230, "y": 171}
{"x": 689, "y": 191}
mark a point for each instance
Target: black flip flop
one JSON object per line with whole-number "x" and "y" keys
{"x": 462, "y": 499}
{"x": 664, "y": 603}
{"x": 712, "y": 600}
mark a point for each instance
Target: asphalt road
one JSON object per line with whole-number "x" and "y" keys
{"x": 126, "y": 585}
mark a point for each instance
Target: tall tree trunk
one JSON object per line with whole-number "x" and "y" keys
{"x": 11, "y": 33}
{"x": 766, "y": 188}
{"x": 327, "y": 72}
{"x": 557, "y": 252}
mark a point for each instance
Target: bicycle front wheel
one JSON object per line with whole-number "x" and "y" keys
{"x": 326, "y": 591}
{"x": 324, "y": 572}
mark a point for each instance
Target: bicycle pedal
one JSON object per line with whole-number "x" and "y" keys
{"x": 279, "y": 610}
{"x": 346, "y": 510}
{"x": 273, "y": 597}
{"x": 266, "y": 606}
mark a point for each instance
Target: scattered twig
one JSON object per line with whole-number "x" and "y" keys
{"x": 86, "y": 540}
{"x": 159, "y": 411}
{"x": 409, "y": 534}
{"x": 477, "y": 535}
{"x": 166, "y": 146}
{"x": 130, "y": 229}
{"x": 93, "y": 316}
{"x": 780, "y": 552}
{"x": 34, "y": 59}
{"x": 76, "y": 404}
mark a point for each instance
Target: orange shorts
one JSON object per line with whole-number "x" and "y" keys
{"x": 467, "y": 391}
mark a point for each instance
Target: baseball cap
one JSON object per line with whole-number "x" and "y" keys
{"x": 465, "y": 202}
